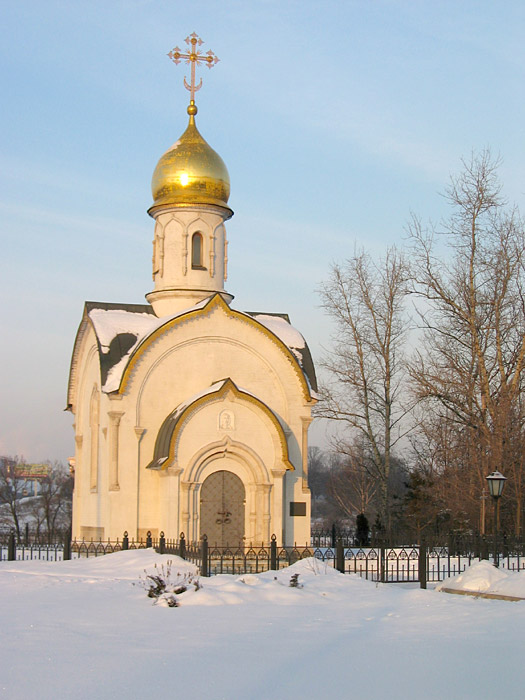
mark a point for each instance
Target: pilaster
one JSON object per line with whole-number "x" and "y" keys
{"x": 277, "y": 524}
{"x": 114, "y": 423}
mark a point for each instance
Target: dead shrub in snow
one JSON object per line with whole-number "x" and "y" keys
{"x": 315, "y": 566}
{"x": 294, "y": 581}
{"x": 163, "y": 585}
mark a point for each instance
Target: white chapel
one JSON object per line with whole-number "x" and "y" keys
{"x": 190, "y": 415}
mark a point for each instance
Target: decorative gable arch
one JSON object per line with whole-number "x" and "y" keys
{"x": 215, "y": 303}
{"x": 166, "y": 453}
{"x": 205, "y": 461}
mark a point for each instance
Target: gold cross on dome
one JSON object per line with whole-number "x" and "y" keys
{"x": 194, "y": 57}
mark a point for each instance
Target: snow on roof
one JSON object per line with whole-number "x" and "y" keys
{"x": 294, "y": 341}
{"x": 120, "y": 332}
{"x": 114, "y": 375}
{"x": 283, "y": 330}
{"x": 109, "y": 324}
{"x": 164, "y": 436}
{"x": 212, "y": 389}
{"x": 209, "y": 390}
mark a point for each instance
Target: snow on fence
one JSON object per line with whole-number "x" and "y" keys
{"x": 387, "y": 564}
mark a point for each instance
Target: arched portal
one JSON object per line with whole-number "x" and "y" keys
{"x": 222, "y": 509}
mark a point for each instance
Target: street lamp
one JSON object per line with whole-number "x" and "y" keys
{"x": 496, "y": 482}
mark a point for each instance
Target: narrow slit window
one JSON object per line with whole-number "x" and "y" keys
{"x": 196, "y": 251}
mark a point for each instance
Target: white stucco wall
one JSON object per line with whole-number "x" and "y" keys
{"x": 177, "y": 362}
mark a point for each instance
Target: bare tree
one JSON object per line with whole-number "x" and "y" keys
{"x": 318, "y": 472}
{"x": 470, "y": 373}
{"x": 46, "y": 511}
{"x": 328, "y": 506}
{"x": 11, "y": 491}
{"x": 352, "y": 485}
{"x": 365, "y": 363}
{"x": 54, "y": 500}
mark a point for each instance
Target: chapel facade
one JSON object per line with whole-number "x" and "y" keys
{"x": 190, "y": 416}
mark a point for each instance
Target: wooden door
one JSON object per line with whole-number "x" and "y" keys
{"x": 222, "y": 509}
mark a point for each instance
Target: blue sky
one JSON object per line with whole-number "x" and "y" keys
{"x": 336, "y": 120}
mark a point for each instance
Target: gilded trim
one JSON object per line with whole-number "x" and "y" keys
{"x": 228, "y": 386}
{"x": 216, "y": 302}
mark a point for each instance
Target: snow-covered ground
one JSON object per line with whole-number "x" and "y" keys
{"x": 483, "y": 577}
{"x": 81, "y": 630}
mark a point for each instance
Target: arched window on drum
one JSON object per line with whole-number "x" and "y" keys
{"x": 197, "y": 252}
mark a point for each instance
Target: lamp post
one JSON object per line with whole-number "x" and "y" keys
{"x": 496, "y": 482}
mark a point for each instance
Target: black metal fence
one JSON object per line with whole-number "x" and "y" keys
{"x": 329, "y": 536}
{"x": 12, "y": 549}
{"x": 42, "y": 552}
{"x": 384, "y": 563}
{"x": 31, "y": 536}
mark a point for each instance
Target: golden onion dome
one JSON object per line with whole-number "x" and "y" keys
{"x": 190, "y": 172}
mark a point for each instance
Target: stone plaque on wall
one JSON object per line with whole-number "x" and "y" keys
{"x": 297, "y": 508}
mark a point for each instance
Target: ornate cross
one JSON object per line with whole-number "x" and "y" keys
{"x": 194, "y": 57}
